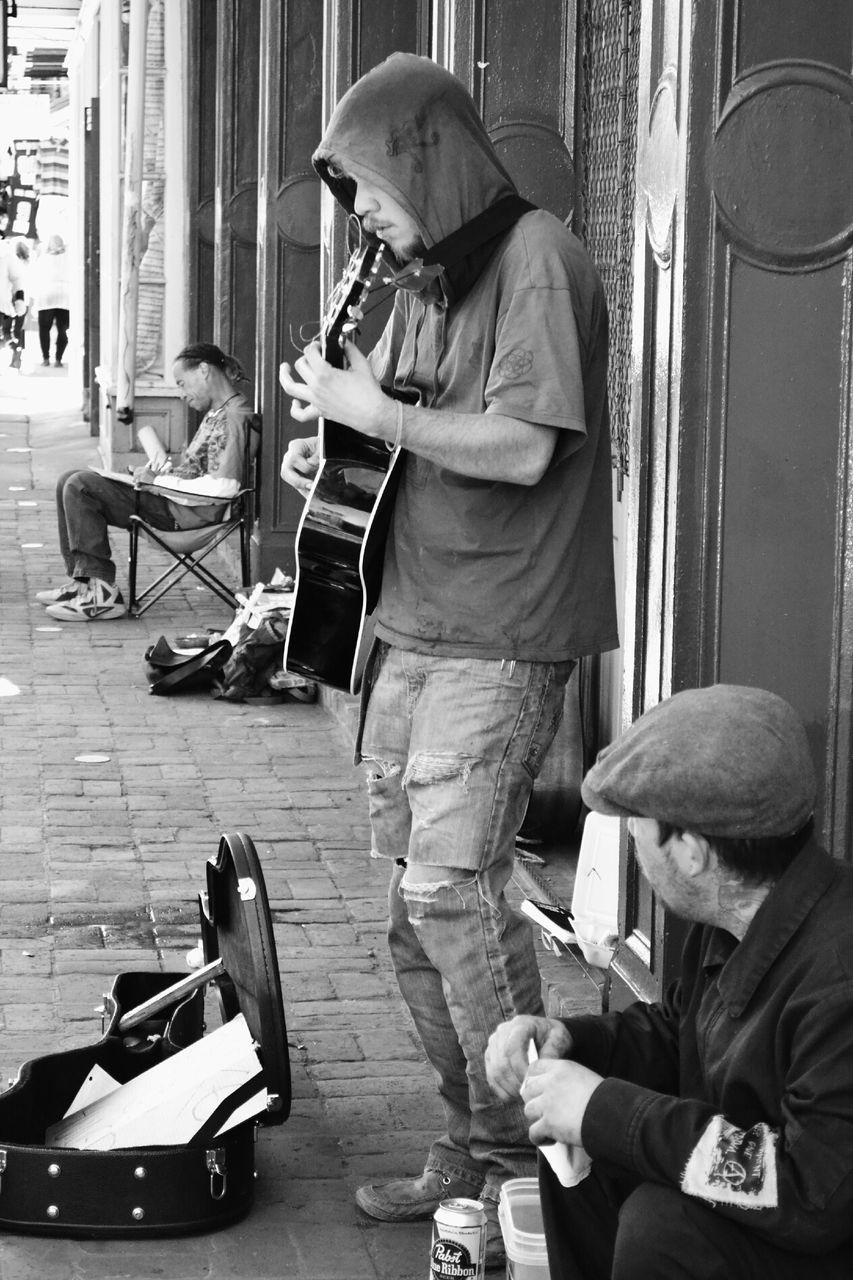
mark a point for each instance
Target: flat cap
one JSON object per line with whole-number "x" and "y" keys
{"x": 727, "y": 760}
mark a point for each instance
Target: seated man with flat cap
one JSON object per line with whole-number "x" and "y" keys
{"x": 719, "y": 1122}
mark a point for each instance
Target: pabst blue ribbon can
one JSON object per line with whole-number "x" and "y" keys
{"x": 458, "y": 1241}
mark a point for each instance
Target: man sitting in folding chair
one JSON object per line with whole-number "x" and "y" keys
{"x": 211, "y": 469}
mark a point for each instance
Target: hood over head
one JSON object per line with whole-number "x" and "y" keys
{"x": 412, "y": 129}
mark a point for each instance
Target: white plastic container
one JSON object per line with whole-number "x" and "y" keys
{"x": 595, "y": 900}
{"x": 520, "y": 1216}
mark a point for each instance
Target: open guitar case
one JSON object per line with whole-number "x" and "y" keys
{"x": 157, "y": 1190}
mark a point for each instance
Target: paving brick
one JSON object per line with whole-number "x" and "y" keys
{"x": 63, "y": 786}
{"x": 382, "y": 1085}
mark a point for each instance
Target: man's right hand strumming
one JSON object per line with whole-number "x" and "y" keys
{"x": 301, "y": 462}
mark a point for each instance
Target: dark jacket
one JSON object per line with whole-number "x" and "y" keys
{"x": 738, "y": 1087}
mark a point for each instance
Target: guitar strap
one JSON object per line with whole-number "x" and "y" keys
{"x": 462, "y": 255}
{"x": 182, "y": 675}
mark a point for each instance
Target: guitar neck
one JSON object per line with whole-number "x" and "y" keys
{"x": 346, "y": 309}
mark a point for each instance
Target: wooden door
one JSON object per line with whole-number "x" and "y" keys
{"x": 742, "y": 415}
{"x": 518, "y": 62}
{"x": 236, "y": 201}
{"x": 764, "y": 511}
{"x": 201, "y": 154}
{"x": 289, "y": 245}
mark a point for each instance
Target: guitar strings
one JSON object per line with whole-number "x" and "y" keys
{"x": 377, "y": 297}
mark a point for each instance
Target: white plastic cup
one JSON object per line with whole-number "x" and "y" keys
{"x": 520, "y": 1217}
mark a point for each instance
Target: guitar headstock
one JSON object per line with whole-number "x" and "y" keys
{"x": 346, "y": 305}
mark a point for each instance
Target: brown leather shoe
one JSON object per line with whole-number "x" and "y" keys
{"x": 408, "y": 1199}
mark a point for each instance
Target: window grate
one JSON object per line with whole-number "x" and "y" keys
{"x": 610, "y": 74}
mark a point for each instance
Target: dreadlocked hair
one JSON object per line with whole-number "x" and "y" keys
{"x": 208, "y": 353}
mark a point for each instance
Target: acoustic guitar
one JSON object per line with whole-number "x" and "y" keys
{"x": 340, "y": 541}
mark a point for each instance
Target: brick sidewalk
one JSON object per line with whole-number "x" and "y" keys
{"x": 102, "y": 862}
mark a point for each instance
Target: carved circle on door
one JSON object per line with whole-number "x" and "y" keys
{"x": 205, "y": 218}
{"x": 297, "y": 210}
{"x": 781, "y": 164}
{"x": 658, "y": 168}
{"x": 538, "y": 161}
{"x": 242, "y": 214}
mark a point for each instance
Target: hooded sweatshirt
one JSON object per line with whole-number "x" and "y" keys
{"x": 478, "y": 568}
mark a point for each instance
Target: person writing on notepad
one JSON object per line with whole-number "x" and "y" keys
{"x": 210, "y": 469}
{"x": 719, "y": 1120}
{"x": 497, "y": 577}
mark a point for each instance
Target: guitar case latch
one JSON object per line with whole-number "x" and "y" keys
{"x": 216, "y": 1169}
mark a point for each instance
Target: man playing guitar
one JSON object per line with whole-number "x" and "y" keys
{"x": 497, "y": 572}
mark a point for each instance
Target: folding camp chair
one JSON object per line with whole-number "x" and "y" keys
{"x": 190, "y": 548}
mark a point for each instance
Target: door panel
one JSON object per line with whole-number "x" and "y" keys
{"x": 201, "y": 153}
{"x": 236, "y": 205}
{"x": 779, "y": 488}
{"x": 520, "y": 69}
{"x": 289, "y": 260}
{"x": 767, "y": 532}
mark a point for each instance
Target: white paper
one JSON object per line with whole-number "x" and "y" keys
{"x": 97, "y": 1085}
{"x": 253, "y": 1107}
{"x": 169, "y": 1103}
{"x": 124, "y": 477}
{"x": 570, "y": 1164}
{"x": 152, "y": 444}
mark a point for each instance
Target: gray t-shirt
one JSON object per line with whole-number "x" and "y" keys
{"x": 491, "y": 569}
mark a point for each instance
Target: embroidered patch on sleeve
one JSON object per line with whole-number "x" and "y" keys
{"x": 516, "y": 364}
{"x": 734, "y": 1166}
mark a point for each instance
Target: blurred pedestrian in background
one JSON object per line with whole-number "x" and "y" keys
{"x": 18, "y": 334}
{"x": 49, "y": 293}
{"x": 13, "y": 303}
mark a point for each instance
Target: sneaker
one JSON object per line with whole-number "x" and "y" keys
{"x": 58, "y": 595}
{"x": 94, "y": 601}
{"x": 409, "y": 1199}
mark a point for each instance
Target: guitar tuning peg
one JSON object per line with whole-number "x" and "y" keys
{"x": 355, "y": 312}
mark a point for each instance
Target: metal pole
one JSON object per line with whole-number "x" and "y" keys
{"x": 131, "y": 241}
{"x": 184, "y": 987}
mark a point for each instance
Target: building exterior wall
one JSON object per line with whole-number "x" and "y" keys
{"x": 98, "y": 71}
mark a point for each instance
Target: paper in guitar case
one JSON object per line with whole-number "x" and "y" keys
{"x": 175, "y": 1187}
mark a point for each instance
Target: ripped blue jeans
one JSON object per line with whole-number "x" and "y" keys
{"x": 451, "y": 747}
